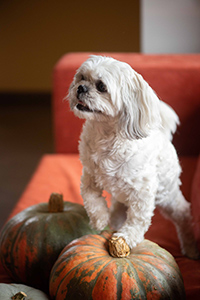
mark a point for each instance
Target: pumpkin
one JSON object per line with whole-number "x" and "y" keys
{"x": 86, "y": 270}
{"x": 31, "y": 241}
{"x": 20, "y": 292}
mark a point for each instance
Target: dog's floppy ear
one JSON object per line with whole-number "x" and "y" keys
{"x": 140, "y": 111}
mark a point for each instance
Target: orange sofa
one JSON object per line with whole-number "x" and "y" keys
{"x": 176, "y": 80}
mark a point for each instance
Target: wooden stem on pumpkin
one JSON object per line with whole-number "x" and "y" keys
{"x": 118, "y": 247}
{"x": 56, "y": 203}
{"x": 19, "y": 296}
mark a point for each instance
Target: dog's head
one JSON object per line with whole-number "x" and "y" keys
{"x": 104, "y": 89}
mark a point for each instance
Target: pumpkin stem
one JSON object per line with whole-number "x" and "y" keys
{"x": 56, "y": 203}
{"x": 19, "y": 296}
{"x": 118, "y": 247}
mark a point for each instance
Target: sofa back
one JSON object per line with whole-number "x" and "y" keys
{"x": 174, "y": 78}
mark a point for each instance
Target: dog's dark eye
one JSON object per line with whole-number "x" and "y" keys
{"x": 101, "y": 86}
{"x": 82, "y": 77}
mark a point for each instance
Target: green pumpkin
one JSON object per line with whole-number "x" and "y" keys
{"x": 31, "y": 241}
{"x": 20, "y": 292}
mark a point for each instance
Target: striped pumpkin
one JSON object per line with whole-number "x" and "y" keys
{"x": 32, "y": 240}
{"x": 85, "y": 270}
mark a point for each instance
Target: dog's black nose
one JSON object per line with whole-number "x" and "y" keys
{"x": 82, "y": 89}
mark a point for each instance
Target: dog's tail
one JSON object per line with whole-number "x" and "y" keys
{"x": 169, "y": 120}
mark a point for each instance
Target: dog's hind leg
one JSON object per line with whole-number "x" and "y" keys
{"x": 179, "y": 212}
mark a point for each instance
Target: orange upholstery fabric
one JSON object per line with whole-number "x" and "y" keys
{"x": 175, "y": 78}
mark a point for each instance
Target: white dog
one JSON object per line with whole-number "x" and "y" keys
{"x": 126, "y": 149}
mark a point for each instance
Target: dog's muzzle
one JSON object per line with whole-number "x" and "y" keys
{"x": 82, "y": 106}
{"x": 82, "y": 89}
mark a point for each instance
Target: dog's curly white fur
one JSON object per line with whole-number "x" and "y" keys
{"x": 126, "y": 149}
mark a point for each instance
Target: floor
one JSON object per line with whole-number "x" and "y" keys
{"x": 26, "y": 134}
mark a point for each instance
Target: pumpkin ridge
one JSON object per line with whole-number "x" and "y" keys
{"x": 93, "y": 246}
{"x": 22, "y": 231}
{"x": 102, "y": 273}
{"x": 90, "y": 244}
{"x": 62, "y": 257}
{"x": 34, "y": 262}
{"x": 70, "y": 223}
{"x": 161, "y": 261}
{"x": 73, "y": 269}
{"x": 71, "y": 256}
{"x": 177, "y": 291}
{"x": 106, "y": 234}
{"x": 150, "y": 274}
{"x": 66, "y": 256}
{"x": 89, "y": 260}
{"x": 168, "y": 257}
{"x": 140, "y": 284}
{"x": 2, "y": 240}
{"x": 97, "y": 276}
{"x": 119, "y": 281}
{"x": 85, "y": 248}
{"x": 13, "y": 247}
{"x": 157, "y": 284}
{"x": 97, "y": 238}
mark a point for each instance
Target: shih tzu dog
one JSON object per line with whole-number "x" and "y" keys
{"x": 125, "y": 148}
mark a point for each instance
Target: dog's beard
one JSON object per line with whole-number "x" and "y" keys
{"x": 83, "y": 107}
{"x": 91, "y": 106}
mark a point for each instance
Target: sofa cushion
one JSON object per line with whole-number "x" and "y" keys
{"x": 61, "y": 173}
